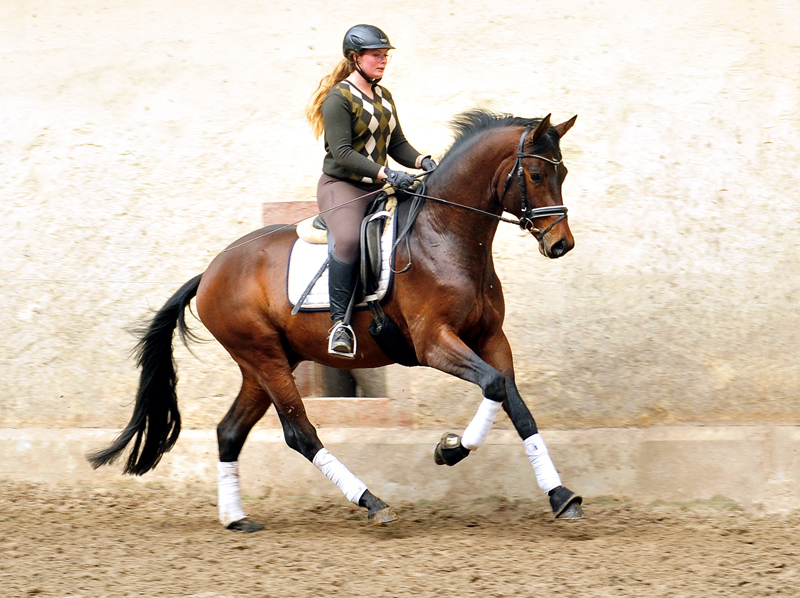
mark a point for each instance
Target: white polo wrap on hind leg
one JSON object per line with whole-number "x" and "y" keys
{"x": 476, "y": 432}
{"x": 546, "y": 474}
{"x": 350, "y": 485}
{"x": 229, "y": 496}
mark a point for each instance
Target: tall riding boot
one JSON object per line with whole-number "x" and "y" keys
{"x": 342, "y": 280}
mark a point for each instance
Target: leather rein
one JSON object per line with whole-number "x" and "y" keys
{"x": 529, "y": 213}
{"x": 525, "y": 222}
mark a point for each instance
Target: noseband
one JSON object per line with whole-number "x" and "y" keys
{"x": 529, "y": 213}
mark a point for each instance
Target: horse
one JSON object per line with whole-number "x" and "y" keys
{"x": 447, "y": 306}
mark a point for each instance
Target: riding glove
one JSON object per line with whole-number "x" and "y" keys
{"x": 398, "y": 179}
{"x": 428, "y": 165}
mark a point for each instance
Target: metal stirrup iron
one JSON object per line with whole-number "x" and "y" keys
{"x": 347, "y": 329}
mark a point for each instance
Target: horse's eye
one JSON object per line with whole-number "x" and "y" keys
{"x": 536, "y": 177}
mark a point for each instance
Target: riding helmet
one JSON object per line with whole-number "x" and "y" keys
{"x": 364, "y": 37}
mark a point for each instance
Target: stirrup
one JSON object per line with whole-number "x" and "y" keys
{"x": 348, "y": 330}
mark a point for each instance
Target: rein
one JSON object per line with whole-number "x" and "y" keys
{"x": 285, "y": 226}
{"x": 537, "y": 212}
{"x": 529, "y": 213}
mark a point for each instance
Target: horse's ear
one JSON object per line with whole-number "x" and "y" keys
{"x": 565, "y": 126}
{"x": 541, "y": 129}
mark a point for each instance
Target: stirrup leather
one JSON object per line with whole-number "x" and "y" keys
{"x": 341, "y": 326}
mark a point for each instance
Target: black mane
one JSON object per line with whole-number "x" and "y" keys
{"x": 469, "y": 125}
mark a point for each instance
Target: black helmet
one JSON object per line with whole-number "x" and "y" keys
{"x": 364, "y": 37}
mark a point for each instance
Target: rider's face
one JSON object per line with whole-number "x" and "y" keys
{"x": 373, "y": 62}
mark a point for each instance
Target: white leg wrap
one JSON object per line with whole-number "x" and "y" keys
{"x": 229, "y": 497}
{"x": 350, "y": 485}
{"x": 546, "y": 473}
{"x": 478, "y": 429}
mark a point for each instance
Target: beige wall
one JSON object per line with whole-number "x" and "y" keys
{"x": 140, "y": 138}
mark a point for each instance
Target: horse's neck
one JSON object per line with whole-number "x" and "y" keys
{"x": 461, "y": 236}
{"x": 472, "y": 183}
{"x": 458, "y": 227}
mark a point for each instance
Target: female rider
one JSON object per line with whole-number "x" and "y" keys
{"x": 359, "y": 120}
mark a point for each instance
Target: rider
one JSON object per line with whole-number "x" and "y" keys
{"x": 359, "y": 120}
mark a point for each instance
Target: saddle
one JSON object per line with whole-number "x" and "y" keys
{"x": 376, "y": 257}
{"x": 371, "y": 260}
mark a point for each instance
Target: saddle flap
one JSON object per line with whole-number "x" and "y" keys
{"x": 371, "y": 251}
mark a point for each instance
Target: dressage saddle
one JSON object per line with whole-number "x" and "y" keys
{"x": 382, "y": 328}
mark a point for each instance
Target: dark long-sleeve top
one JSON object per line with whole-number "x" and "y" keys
{"x": 360, "y": 132}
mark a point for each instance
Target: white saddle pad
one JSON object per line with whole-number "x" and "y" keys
{"x": 306, "y": 259}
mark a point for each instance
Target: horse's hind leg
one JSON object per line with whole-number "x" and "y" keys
{"x": 249, "y": 407}
{"x": 301, "y": 436}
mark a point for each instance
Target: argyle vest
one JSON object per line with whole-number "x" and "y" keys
{"x": 373, "y": 121}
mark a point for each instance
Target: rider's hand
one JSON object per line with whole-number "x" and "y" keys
{"x": 428, "y": 165}
{"x": 398, "y": 179}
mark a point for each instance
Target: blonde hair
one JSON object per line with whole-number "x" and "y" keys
{"x": 314, "y": 107}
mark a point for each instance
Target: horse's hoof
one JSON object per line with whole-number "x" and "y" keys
{"x": 381, "y": 516}
{"x": 450, "y": 451}
{"x": 565, "y": 503}
{"x": 245, "y": 525}
{"x": 573, "y": 511}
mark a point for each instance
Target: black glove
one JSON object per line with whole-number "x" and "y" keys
{"x": 428, "y": 165}
{"x": 398, "y": 179}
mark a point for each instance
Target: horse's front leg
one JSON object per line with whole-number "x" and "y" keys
{"x": 456, "y": 358}
{"x": 448, "y": 353}
{"x": 565, "y": 503}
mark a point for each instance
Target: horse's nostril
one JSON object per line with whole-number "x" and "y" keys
{"x": 558, "y": 248}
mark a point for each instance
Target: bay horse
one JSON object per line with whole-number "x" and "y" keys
{"x": 448, "y": 307}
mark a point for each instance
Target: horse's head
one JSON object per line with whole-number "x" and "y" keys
{"x": 530, "y": 186}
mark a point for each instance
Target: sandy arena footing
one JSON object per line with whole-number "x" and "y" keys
{"x": 758, "y": 467}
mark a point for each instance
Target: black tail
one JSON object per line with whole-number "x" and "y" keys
{"x": 156, "y": 422}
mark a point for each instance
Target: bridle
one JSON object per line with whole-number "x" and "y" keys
{"x": 529, "y": 213}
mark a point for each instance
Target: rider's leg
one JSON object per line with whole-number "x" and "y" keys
{"x": 341, "y": 284}
{"x": 343, "y": 205}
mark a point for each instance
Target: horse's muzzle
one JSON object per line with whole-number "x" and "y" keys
{"x": 558, "y": 247}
